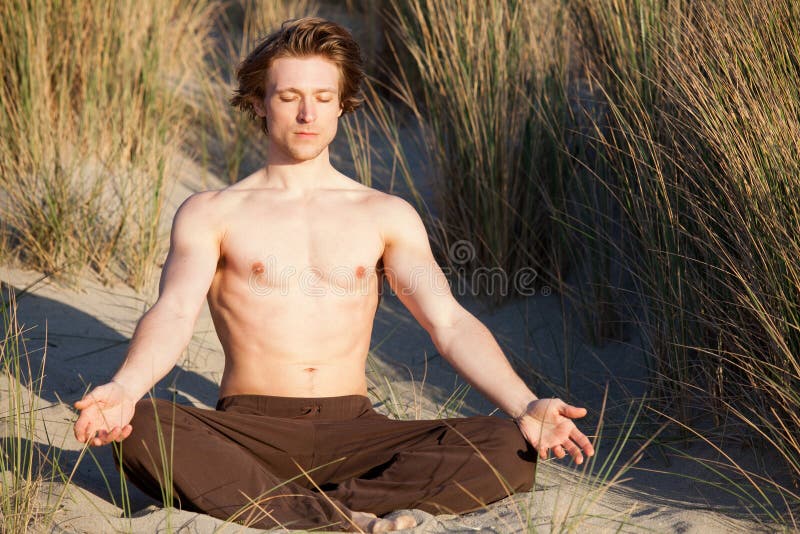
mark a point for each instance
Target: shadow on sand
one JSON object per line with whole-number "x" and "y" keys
{"x": 83, "y": 351}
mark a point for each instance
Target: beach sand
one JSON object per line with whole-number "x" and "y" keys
{"x": 87, "y": 331}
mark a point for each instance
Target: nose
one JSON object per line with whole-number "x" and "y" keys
{"x": 307, "y": 112}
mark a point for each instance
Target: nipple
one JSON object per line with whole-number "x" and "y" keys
{"x": 260, "y": 280}
{"x": 360, "y": 271}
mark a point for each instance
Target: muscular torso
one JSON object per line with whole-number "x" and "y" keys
{"x": 296, "y": 289}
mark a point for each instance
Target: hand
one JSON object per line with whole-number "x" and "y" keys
{"x": 106, "y": 414}
{"x": 547, "y": 424}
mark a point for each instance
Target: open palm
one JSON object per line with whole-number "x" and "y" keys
{"x": 547, "y": 424}
{"x": 106, "y": 413}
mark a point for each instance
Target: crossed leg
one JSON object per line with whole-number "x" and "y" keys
{"x": 447, "y": 466}
{"x": 216, "y": 476}
{"x": 235, "y": 466}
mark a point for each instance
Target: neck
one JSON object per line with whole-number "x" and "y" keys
{"x": 283, "y": 172}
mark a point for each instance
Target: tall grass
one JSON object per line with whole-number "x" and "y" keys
{"x": 21, "y": 460}
{"x": 486, "y": 100}
{"x": 736, "y": 91}
{"x": 91, "y": 118}
{"x": 633, "y": 164}
{"x": 659, "y": 168}
{"x": 698, "y": 142}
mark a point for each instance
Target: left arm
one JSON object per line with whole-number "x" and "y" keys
{"x": 420, "y": 284}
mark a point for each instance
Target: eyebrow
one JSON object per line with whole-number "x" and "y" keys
{"x": 298, "y": 91}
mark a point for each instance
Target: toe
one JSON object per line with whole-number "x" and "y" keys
{"x": 405, "y": 521}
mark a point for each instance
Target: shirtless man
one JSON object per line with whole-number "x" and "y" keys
{"x": 287, "y": 260}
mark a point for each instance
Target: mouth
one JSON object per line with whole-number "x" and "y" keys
{"x": 306, "y": 134}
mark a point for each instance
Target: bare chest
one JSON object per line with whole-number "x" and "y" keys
{"x": 313, "y": 248}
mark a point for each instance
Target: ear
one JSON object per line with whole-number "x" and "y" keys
{"x": 341, "y": 109}
{"x": 258, "y": 107}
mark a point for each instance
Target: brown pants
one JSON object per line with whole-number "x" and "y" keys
{"x": 255, "y": 449}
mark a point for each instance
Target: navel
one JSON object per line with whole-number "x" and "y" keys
{"x": 310, "y": 369}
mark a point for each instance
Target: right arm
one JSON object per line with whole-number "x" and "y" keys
{"x": 164, "y": 330}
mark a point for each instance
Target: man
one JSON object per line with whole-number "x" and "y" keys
{"x": 287, "y": 259}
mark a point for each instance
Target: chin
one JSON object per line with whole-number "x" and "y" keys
{"x": 304, "y": 153}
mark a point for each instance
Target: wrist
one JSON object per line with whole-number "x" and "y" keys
{"x": 127, "y": 390}
{"x": 523, "y": 408}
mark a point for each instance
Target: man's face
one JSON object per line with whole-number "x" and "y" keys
{"x": 301, "y": 106}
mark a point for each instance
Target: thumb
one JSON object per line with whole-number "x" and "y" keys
{"x": 98, "y": 394}
{"x": 85, "y": 402}
{"x": 573, "y": 412}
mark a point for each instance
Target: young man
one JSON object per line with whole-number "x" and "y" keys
{"x": 287, "y": 260}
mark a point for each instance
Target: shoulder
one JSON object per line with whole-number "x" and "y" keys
{"x": 199, "y": 206}
{"x": 214, "y": 204}
{"x": 396, "y": 218}
{"x": 392, "y": 205}
{"x": 199, "y": 215}
{"x": 381, "y": 206}
{"x": 199, "y": 201}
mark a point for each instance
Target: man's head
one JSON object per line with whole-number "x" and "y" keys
{"x": 301, "y": 38}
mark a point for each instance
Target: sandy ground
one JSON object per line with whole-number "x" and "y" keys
{"x": 86, "y": 334}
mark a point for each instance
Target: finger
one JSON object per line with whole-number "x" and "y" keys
{"x": 543, "y": 453}
{"x": 98, "y": 438}
{"x": 90, "y": 401}
{"x": 582, "y": 441}
{"x": 94, "y": 395}
{"x": 79, "y": 429}
{"x": 573, "y": 412}
{"x": 102, "y": 427}
{"x": 101, "y": 436}
{"x": 559, "y": 451}
{"x": 574, "y": 451}
{"x": 126, "y": 431}
{"x": 113, "y": 435}
{"x": 88, "y": 431}
{"x": 84, "y": 402}
{"x": 116, "y": 434}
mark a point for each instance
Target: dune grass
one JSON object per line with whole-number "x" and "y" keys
{"x": 699, "y": 143}
{"x": 745, "y": 138}
{"x": 485, "y": 97}
{"x": 92, "y": 112}
{"x": 26, "y": 466}
{"x": 656, "y": 155}
{"x": 20, "y": 476}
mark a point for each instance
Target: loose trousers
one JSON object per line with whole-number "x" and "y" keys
{"x": 306, "y": 462}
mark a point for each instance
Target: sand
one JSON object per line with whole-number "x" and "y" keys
{"x": 87, "y": 331}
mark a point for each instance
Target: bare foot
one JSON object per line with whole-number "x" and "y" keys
{"x": 372, "y": 523}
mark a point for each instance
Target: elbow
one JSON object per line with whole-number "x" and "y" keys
{"x": 444, "y": 332}
{"x": 172, "y": 320}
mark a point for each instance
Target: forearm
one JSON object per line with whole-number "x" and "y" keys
{"x": 156, "y": 345}
{"x": 474, "y": 353}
